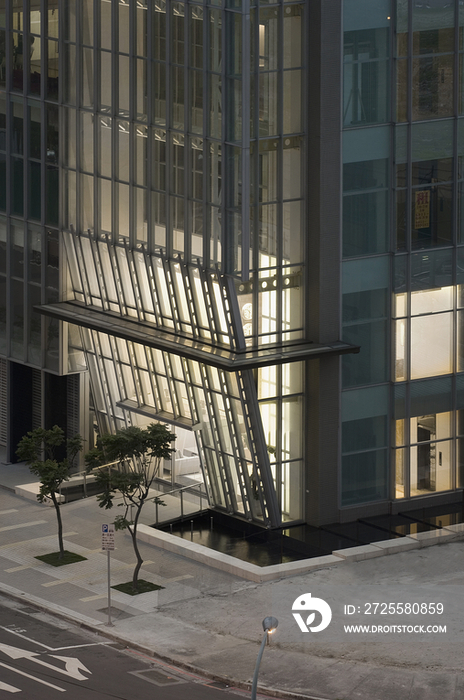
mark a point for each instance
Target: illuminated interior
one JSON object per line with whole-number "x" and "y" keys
{"x": 425, "y": 347}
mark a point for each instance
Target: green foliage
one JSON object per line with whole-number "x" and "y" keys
{"x": 137, "y": 453}
{"x": 121, "y": 523}
{"x": 152, "y": 442}
{"x": 38, "y": 449}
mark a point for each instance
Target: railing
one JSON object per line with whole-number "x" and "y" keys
{"x": 84, "y": 474}
{"x": 195, "y": 489}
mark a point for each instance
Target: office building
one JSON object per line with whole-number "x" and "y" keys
{"x": 244, "y": 219}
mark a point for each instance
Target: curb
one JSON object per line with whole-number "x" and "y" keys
{"x": 86, "y": 624}
{"x": 261, "y": 574}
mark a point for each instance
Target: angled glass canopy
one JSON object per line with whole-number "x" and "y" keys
{"x": 163, "y": 340}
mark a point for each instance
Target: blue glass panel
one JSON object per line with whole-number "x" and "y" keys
{"x": 460, "y": 391}
{"x": 374, "y": 141}
{"x": 364, "y": 419}
{"x": 366, "y": 14}
{"x": 364, "y": 477}
{"x": 431, "y": 269}
{"x": 365, "y": 313}
{"x": 370, "y": 366}
{"x": 434, "y": 396}
{"x": 364, "y": 275}
{"x": 365, "y": 223}
{"x": 400, "y": 401}
{"x": 400, "y": 273}
{"x": 366, "y": 68}
{"x": 366, "y": 208}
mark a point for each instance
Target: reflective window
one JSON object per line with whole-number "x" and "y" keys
{"x": 433, "y": 62}
{"x": 365, "y": 314}
{"x": 365, "y": 187}
{"x": 431, "y": 334}
{"x": 365, "y": 62}
{"x": 364, "y": 477}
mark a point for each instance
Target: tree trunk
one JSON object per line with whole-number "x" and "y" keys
{"x": 60, "y": 524}
{"x": 133, "y": 533}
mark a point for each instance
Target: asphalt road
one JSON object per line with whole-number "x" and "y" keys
{"x": 42, "y": 658}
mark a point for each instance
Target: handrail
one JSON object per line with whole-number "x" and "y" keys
{"x": 181, "y": 491}
{"x": 182, "y": 488}
{"x": 101, "y": 466}
{"x": 86, "y": 473}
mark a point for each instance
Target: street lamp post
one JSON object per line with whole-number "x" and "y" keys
{"x": 269, "y": 625}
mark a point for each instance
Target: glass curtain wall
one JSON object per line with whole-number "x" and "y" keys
{"x": 418, "y": 152}
{"x": 426, "y": 299}
{"x": 129, "y": 379}
{"x": 29, "y": 156}
{"x": 365, "y": 245}
{"x": 184, "y": 138}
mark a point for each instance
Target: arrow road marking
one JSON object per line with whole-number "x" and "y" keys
{"x": 38, "y": 680}
{"x": 73, "y": 665}
{"x": 9, "y": 688}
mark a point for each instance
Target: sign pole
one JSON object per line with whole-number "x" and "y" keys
{"x": 109, "y": 623}
{"x": 108, "y": 545}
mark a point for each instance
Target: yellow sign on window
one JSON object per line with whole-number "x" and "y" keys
{"x": 422, "y": 209}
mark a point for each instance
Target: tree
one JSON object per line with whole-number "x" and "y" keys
{"x": 139, "y": 453}
{"x": 39, "y": 449}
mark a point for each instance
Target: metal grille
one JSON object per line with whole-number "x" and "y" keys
{"x": 73, "y": 405}
{"x": 36, "y": 399}
{"x": 3, "y": 402}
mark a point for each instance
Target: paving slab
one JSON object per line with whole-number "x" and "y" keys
{"x": 401, "y": 544}
{"x": 458, "y": 529}
{"x": 365, "y": 551}
{"x": 428, "y": 686}
{"x": 210, "y": 619}
{"x": 428, "y": 539}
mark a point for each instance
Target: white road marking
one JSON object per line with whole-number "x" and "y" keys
{"x": 73, "y": 665}
{"x": 56, "y": 583}
{"x": 17, "y": 527}
{"x": 11, "y": 510}
{"x": 80, "y": 646}
{"x": 74, "y": 646}
{"x": 39, "y": 680}
{"x": 91, "y": 597}
{"x": 18, "y": 568}
{"x": 9, "y": 688}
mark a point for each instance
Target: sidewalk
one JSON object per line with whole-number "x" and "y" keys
{"x": 211, "y": 620}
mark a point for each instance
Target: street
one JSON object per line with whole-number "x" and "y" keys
{"x": 44, "y": 658}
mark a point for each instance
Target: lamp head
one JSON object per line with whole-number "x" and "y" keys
{"x": 270, "y": 623}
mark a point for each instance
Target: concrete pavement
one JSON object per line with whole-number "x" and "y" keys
{"x": 210, "y": 620}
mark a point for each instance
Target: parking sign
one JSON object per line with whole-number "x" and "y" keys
{"x": 108, "y": 536}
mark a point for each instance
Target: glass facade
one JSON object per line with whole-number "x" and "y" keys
{"x": 184, "y": 162}
{"x": 176, "y": 232}
{"x": 406, "y": 202}
{"x": 153, "y": 167}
